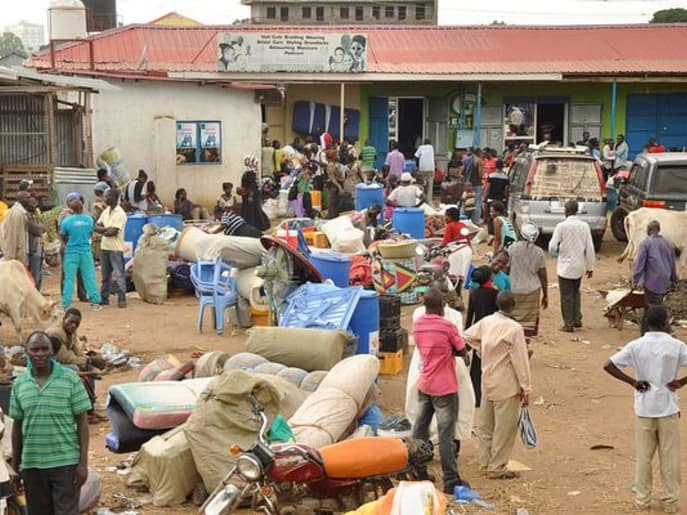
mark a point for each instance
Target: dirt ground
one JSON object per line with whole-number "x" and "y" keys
{"x": 575, "y": 405}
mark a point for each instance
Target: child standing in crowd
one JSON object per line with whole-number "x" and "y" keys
{"x": 226, "y": 201}
{"x": 482, "y": 303}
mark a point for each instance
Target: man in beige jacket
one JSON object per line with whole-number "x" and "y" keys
{"x": 500, "y": 340}
{"x": 14, "y": 235}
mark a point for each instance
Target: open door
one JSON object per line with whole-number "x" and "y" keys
{"x": 437, "y": 128}
{"x": 379, "y": 128}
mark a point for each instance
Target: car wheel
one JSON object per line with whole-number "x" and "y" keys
{"x": 618, "y": 224}
{"x": 598, "y": 241}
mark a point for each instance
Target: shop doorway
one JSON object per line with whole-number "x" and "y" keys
{"x": 410, "y": 125}
{"x": 551, "y": 123}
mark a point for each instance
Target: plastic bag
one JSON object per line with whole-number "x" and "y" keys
{"x": 280, "y": 432}
{"x": 528, "y": 433}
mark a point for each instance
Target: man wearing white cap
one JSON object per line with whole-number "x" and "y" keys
{"x": 407, "y": 194}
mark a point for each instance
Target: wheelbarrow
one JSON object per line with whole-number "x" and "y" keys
{"x": 623, "y": 304}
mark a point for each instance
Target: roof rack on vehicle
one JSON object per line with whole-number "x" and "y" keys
{"x": 547, "y": 146}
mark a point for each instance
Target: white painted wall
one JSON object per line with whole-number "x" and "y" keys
{"x": 140, "y": 121}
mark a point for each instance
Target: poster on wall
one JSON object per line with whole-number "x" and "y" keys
{"x": 209, "y": 135}
{"x": 186, "y": 135}
{"x": 292, "y": 52}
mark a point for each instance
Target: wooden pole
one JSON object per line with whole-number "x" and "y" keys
{"x": 341, "y": 112}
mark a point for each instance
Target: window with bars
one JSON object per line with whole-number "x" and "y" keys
{"x": 307, "y": 13}
{"x": 343, "y": 13}
{"x": 319, "y": 13}
{"x": 284, "y": 13}
{"x": 376, "y": 12}
{"x": 271, "y": 13}
{"x": 389, "y": 11}
{"x": 420, "y": 12}
{"x": 359, "y": 14}
{"x": 402, "y": 12}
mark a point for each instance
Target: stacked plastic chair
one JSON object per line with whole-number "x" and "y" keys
{"x": 216, "y": 288}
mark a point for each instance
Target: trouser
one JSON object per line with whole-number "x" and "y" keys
{"x": 446, "y": 409}
{"x": 477, "y": 213}
{"x": 571, "y": 308}
{"x": 112, "y": 263}
{"x": 36, "y": 267}
{"x": 72, "y": 265}
{"x": 498, "y": 427}
{"x": 428, "y": 181}
{"x": 476, "y": 378}
{"x": 200, "y": 213}
{"x": 51, "y": 491}
{"x": 662, "y": 434}
{"x": 247, "y": 230}
{"x": 650, "y": 299}
{"x": 80, "y": 288}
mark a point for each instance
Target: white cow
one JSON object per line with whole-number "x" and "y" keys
{"x": 19, "y": 297}
{"x": 673, "y": 229}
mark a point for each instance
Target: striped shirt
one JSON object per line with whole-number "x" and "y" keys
{"x": 48, "y": 417}
{"x": 436, "y": 338}
{"x": 231, "y": 222}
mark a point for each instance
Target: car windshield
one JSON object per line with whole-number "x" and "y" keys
{"x": 670, "y": 180}
{"x": 562, "y": 178}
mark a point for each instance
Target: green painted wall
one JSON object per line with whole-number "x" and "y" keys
{"x": 493, "y": 94}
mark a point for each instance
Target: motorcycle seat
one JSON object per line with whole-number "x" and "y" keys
{"x": 364, "y": 457}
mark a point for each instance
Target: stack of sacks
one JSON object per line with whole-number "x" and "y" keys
{"x": 308, "y": 381}
{"x": 165, "y": 466}
{"x": 332, "y": 411}
{"x": 343, "y": 236}
{"x": 285, "y": 345}
{"x": 223, "y": 416}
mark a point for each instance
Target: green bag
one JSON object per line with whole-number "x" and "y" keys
{"x": 280, "y": 432}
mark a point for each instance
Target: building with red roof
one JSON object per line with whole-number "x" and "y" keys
{"x": 459, "y": 86}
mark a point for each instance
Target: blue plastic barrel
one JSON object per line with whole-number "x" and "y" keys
{"x": 367, "y": 195}
{"x": 365, "y": 323}
{"x": 409, "y": 220}
{"x": 176, "y": 221}
{"x": 336, "y": 267}
{"x": 132, "y": 232}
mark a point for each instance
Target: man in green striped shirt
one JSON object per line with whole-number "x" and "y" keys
{"x": 368, "y": 155}
{"x": 49, "y": 405}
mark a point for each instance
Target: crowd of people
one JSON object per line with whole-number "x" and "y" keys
{"x": 492, "y": 335}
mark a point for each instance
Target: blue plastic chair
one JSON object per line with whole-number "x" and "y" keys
{"x": 203, "y": 277}
{"x": 225, "y": 292}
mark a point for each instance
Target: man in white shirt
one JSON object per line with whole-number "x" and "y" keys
{"x": 572, "y": 243}
{"x": 111, "y": 225}
{"x": 407, "y": 194}
{"x": 656, "y": 359}
{"x": 621, "y": 152}
{"x": 426, "y": 166}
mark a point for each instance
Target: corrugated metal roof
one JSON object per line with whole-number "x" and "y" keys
{"x": 19, "y": 72}
{"x": 573, "y": 50}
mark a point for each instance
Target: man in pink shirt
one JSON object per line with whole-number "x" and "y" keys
{"x": 437, "y": 340}
{"x": 396, "y": 160}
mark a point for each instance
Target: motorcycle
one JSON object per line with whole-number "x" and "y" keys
{"x": 285, "y": 479}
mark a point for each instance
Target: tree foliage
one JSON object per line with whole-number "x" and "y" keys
{"x": 10, "y": 43}
{"x": 676, "y": 15}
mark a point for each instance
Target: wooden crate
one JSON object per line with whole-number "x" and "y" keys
{"x": 12, "y": 175}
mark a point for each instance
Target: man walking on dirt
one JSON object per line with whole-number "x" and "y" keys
{"x": 500, "y": 340}
{"x": 572, "y": 243}
{"x": 656, "y": 359}
{"x": 438, "y": 340}
{"x": 654, "y": 268}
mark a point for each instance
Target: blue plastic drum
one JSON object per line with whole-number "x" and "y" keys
{"x": 367, "y": 195}
{"x": 132, "y": 232}
{"x": 336, "y": 267}
{"x": 409, "y": 220}
{"x": 365, "y": 323}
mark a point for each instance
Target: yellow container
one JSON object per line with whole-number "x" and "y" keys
{"x": 316, "y": 199}
{"x": 390, "y": 363}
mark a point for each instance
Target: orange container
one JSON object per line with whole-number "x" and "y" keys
{"x": 316, "y": 199}
{"x": 391, "y": 363}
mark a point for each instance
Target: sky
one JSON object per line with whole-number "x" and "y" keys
{"x": 451, "y": 12}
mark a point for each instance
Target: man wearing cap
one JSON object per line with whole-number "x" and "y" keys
{"x": 528, "y": 279}
{"x": 76, "y": 231}
{"x": 407, "y": 194}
